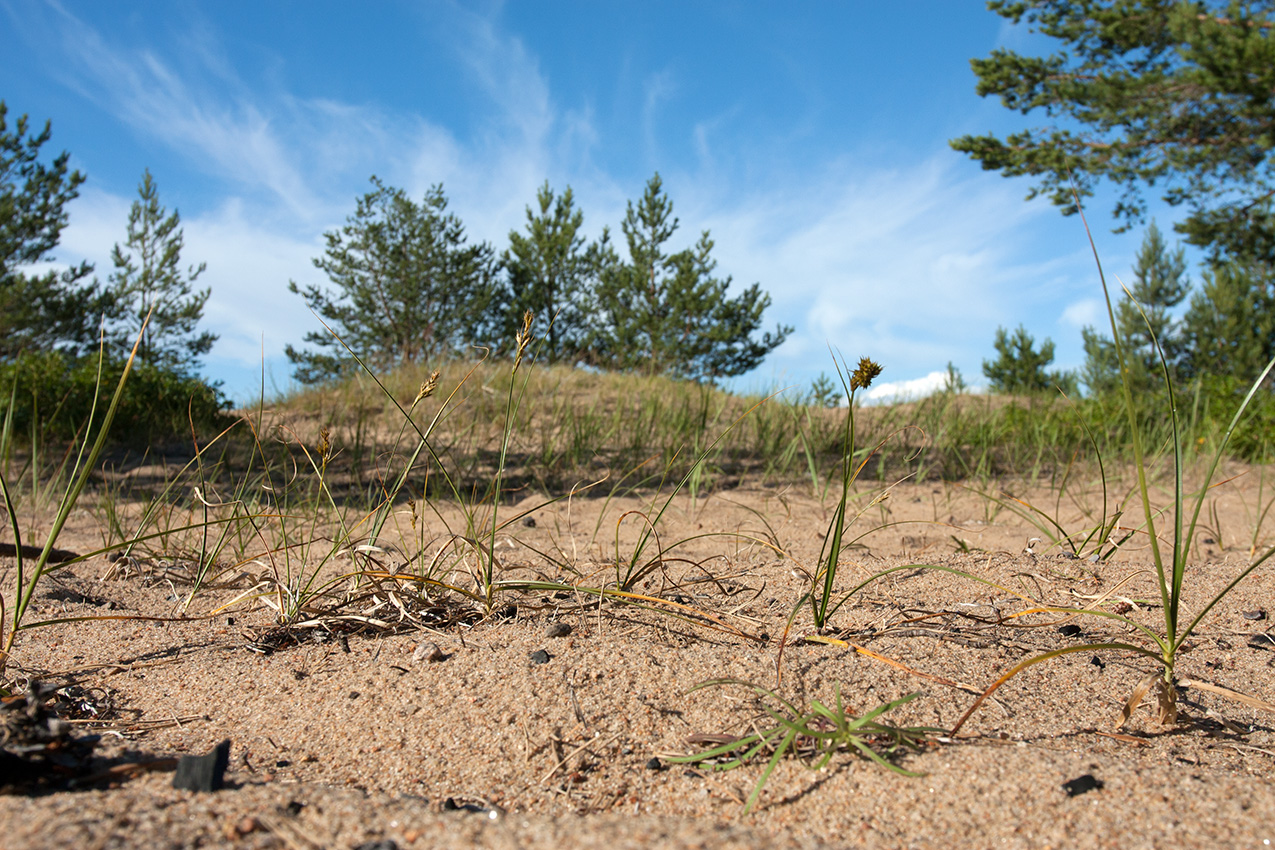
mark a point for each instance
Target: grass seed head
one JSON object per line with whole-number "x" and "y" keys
{"x": 524, "y": 337}
{"x": 867, "y": 370}
{"x": 325, "y": 445}
{"x": 427, "y": 388}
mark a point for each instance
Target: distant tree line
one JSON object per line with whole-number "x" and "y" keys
{"x": 405, "y": 284}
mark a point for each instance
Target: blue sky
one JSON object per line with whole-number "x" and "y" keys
{"x": 810, "y": 138}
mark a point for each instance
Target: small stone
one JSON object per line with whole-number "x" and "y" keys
{"x": 557, "y": 630}
{"x": 1259, "y": 614}
{"x": 1097, "y": 662}
{"x": 1081, "y": 785}
{"x": 383, "y": 844}
{"x": 654, "y": 764}
{"x": 203, "y": 773}
{"x": 529, "y": 522}
{"x": 1069, "y": 630}
{"x": 428, "y": 652}
{"x": 540, "y": 657}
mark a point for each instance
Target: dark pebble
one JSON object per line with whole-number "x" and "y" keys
{"x": 1081, "y": 785}
{"x": 1262, "y": 641}
{"x": 293, "y": 808}
{"x": 1259, "y": 614}
{"x": 203, "y": 773}
{"x": 540, "y": 657}
{"x": 557, "y": 630}
{"x": 1097, "y": 662}
{"x": 1069, "y": 630}
{"x": 654, "y": 764}
{"x": 530, "y": 522}
{"x": 383, "y": 844}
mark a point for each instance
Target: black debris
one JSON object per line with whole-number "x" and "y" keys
{"x": 383, "y": 844}
{"x": 1081, "y": 785}
{"x": 203, "y": 773}
{"x": 529, "y": 522}
{"x": 1097, "y": 662}
{"x": 1069, "y": 630}
{"x": 1262, "y": 641}
{"x": 654, "y": 764}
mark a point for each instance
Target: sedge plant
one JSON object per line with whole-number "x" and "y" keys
{"x": 834, "y": 540}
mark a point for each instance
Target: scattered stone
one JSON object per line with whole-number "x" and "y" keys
{"x": 557, "y": 630}
{"x": 203, "y": 773}
{"x": 1069, "y": 630}
{"x": 1081, "y": 785}
{"x": 540, "y": 657}
{"x": 383, "y": 844}
{"x": 1097, "y": 662}
{"x": 529, "y": 522}
{"x": 654, "y": 764}
{"x": 293, "y": 808}
{"x": 1259, "y": 614}
{"x": 428, "y": 652}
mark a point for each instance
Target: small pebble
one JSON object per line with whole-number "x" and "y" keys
{"x": 383, "y": 844}
{"x": 557, "y": 630}
{"x": 428, "y": 652}
{"x": 654, "y": 764}
{"x": 540, "y": 657}
{"x": 1259, "y": 614}
{"x": 529, "y": 522}
{"x": 1069, "y": 630}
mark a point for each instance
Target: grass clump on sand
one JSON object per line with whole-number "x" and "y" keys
{"x": 815, "y": 735}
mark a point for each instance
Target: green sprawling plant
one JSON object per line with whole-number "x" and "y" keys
{"x": 815, "y": 735}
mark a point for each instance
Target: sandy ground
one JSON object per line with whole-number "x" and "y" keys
{"x": 346, "y": 739}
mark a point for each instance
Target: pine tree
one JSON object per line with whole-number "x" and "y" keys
{"x": 552, "y": 273}
{"x": 1019, "y": 369}
{"x": 1145, "y": 321}
{"x": 1144, "y": 93}
{"x": 1230, "y": 324}
{"x": 149, "y": 280}
{"x": 407, "y": 287}
{"x": 52, "y": 310}
{"x": 665, "y": 313}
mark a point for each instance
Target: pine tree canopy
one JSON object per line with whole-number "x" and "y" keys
{"x": 1141, "y": 93}
{"x": 52, "y": 310}
{"x": 149, "y": 282}
{"x": 406, "y": 287}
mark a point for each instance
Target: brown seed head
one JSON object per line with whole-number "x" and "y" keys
{"x": 524, "y": 337}
{"x": 427, "y": 388}
{"x": 325, "y": 444}
{"x": 861, "y": 378}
